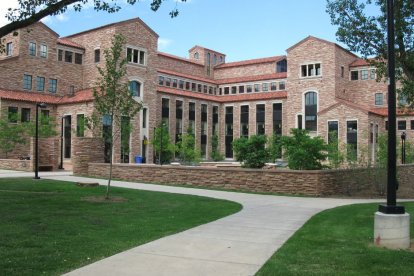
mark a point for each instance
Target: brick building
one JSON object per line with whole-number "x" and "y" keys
{"x": 317, "y": 85}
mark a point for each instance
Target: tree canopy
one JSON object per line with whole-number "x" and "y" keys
{"x": 367, "y": 34}
{"x": 31, "y": 11}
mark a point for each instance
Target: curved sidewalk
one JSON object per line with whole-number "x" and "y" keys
{"x": 235, "y": 245}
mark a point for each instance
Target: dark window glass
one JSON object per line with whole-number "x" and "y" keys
{"x": 52, "y": 85}
{"x": 332, "y": 132}
{"x": 135, "y": 88}
{"x": 281, "y": 66}
{"x": 233, "y": 89}
{"x": 60, "y": 55}
{"x": 25, "y": 115}
{"x": 27, "y": 82}
{"x": 97, "y": 55}
{"x": 12, "y": 115}
{"x": 311, "y": 111}
{"x": 248, "y": 88}
{"x": 354, "y": 75}
{"x": 181, "y": 84}
{"x": 161, "y": 80}
{"x": 78, "y": 58}
{"x": 175, "y": 83}
{"x": 68, "y": 56}
{"x": 226, "y": 90}
{"x": 40, "y": 84}
{"x": 241, "y": 89}
{"x": 352, "y": 139}
{"x": 412, "y": 124}
{"x": 402, "y": 125}
{"x": 273, "y": 86}
{"x": 32, "y": 49}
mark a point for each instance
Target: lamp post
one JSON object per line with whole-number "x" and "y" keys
{"x": 403, "y": 136}
{"x": 41, "y": 105}
{"x": 391, "y": 223}
{"x": 391, "y": 206}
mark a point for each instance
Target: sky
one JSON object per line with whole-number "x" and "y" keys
{"x": 241, "y": 29}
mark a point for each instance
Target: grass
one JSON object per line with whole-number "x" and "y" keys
{"x": 340, "y": 242}
{"x": 48, "y": 228}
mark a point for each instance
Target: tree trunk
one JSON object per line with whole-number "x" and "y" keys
{"x": 110, "y": 172}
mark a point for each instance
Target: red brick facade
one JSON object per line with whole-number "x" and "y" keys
{"x": 312, "y": 70}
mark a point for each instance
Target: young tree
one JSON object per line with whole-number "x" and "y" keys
{"x": 252, "y": 152}
{"x": 31, "y": 11}
{"x": 112, "y": 96}
{"x": 304, "y": 152}
{"x": 215, "y": 154}
{"x": 367, "y": 34}
{"x": 274, "y": 146}
{"x": 162, "y": 143}
{"x": 186, "y": 148}
{"x": 11, "y": 134}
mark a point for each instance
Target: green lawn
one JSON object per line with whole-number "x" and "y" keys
{"x": 340, "y": 242}
{"x": 47, "y": 228}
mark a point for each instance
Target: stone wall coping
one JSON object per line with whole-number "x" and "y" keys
{"x": 236, "y": 169}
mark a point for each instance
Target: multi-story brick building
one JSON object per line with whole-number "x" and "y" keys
{"x": 317, "y": 85}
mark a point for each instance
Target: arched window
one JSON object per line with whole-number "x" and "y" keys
{"x": 196, "y": 55}
{"x": 135, "y": 88}
{"x": 311, "y": 108}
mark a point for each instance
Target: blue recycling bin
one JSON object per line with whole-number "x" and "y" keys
{"x": 138, "y": 159}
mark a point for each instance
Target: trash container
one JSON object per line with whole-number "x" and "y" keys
{"x": 138, "y": 159}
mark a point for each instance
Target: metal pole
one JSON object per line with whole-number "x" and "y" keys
{"x": 391, "y": 207}
{"x": 37, "y": 144}
{"x": 61, "y": 144}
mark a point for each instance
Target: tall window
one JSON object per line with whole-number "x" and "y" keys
{"x": 244, "y": 121}
{"x": 43, "y": 51}
{"x": 125, "y": 138}
{"x": 229, "y": 132}
{"x": 165, "y": 111}
{"x": 352, "y": 139}
{"x": 27, "y": 82}
{"x": 281, "y": 66}
{"x": 332, "y": 132}
{"x": 260, "y": 119}
{"x": 178, "y": 120}
{"x": 311, "y": 106}
{"x": 32, "y": 48}
{"x": 9, "y": 49}
{"x": 215, "y": 119}
{"x": 12, "y": 115}
{"x": 25, "y": 115}
{"x": 97, "y": 55}
{"x": 80, "y": 125}
{"x": 68, "y": 56}
{"x": 364, "y": 74}
{"x": 135, "y": 88}
{"x": 203, "y": 130}
{"x": 379, "y": 99}
{"x": 191, "y": 118}
{"x": 40, "y": 84}
{"x": 277, "y": 118}
{"x": 52, "y": 85}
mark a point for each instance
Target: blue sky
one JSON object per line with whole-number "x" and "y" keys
{"x": 241, "y": 29}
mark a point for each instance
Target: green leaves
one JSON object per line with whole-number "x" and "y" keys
{"x": 252, "y": 152}
{"x": 304, "y": 152}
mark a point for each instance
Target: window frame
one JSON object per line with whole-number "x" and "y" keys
{"x": 32, "y": 51}
{"x": 139, "y": 57}
{"x": 43, "y": 51}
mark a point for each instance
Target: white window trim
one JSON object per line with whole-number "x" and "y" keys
{"x": 317, "y": 110}
{"x": 35, "y": 55}
{"x": 141, "y": 81}
{"x": 47, "y": 50}
{"x": 346, "y": 127}
{"x": 139, "y": 49}
{"x": 310, "y": 63}
{"x": 375, "y": 99}
{"x": 327, "y": 129}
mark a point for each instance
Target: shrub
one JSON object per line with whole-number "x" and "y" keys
{"x": 252, "y": 152}
{"x": 304, "y": 152}
{"x": 274, "y": 146}
{"x": 186, "y": 150}
{"x": 162, "y": 140}
{"x": 215, "y": 154}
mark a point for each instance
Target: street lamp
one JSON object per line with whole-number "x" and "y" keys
{"x": 41, "y": 105}
{"x": 403, "y": 136}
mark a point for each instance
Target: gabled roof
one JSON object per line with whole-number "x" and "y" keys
{"x": 383, "y": 111}
{"x": 179, "y": 58}
{"x": 249, "y": 62}
{"x": 43, "y": 25}
{"x": 320, "y": 40}
{"x": 67, "y": 42}
{"x": 133, "y": 20}
{"x": 340, "y": 102}
{"x": 359, "y": 62}
{"x": 204, "y": 48}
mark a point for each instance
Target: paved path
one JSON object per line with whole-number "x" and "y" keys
{"x": 235, "y": 245}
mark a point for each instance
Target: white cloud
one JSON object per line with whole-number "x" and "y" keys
{"x": 4, "y": 7}
{"x": 164, "y": 43}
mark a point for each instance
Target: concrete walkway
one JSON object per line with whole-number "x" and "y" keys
{"x": 235, "y": 245}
